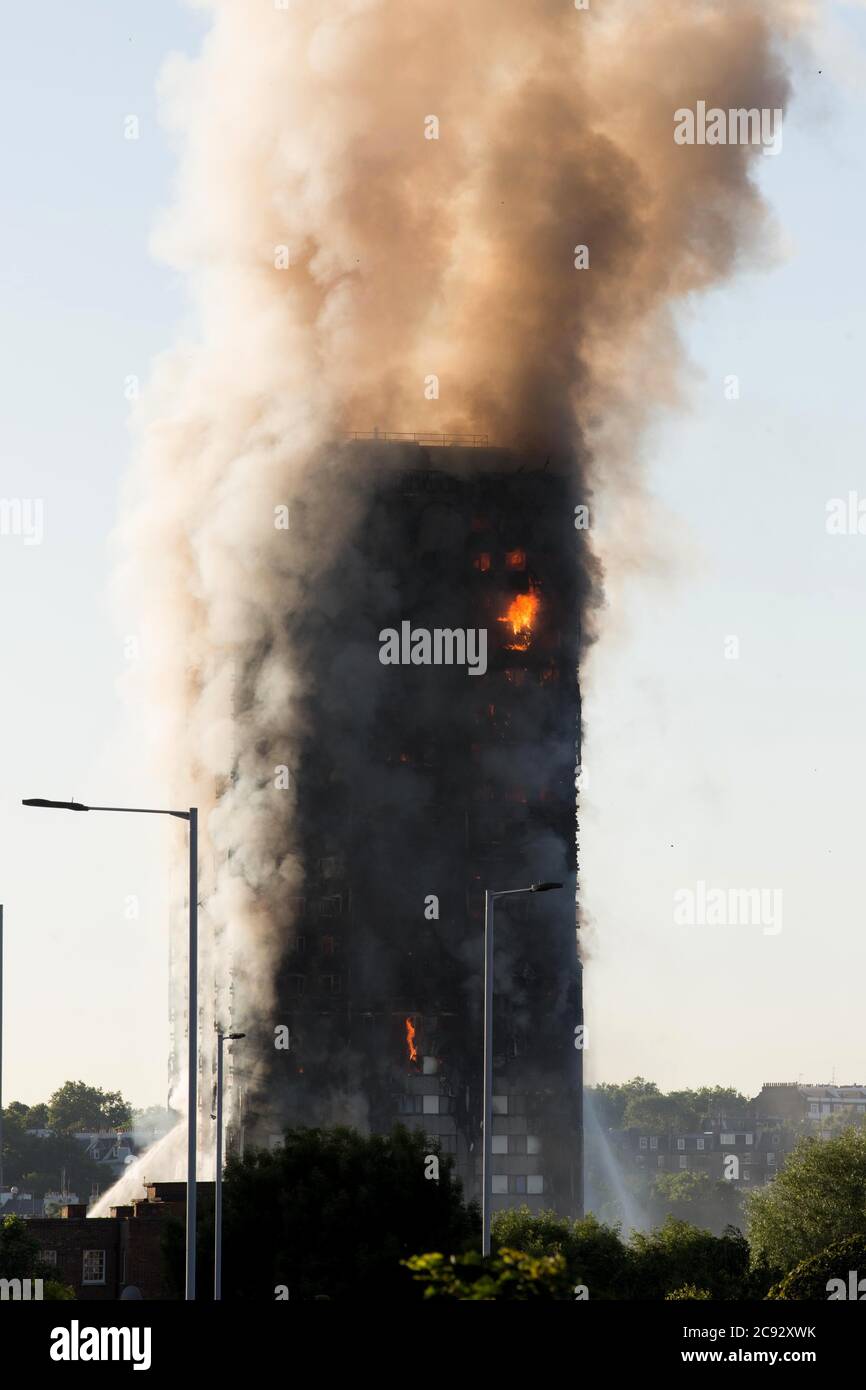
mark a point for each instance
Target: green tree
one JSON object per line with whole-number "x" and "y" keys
{"x": 818, "y": 1198}
{"x": 676, "y": 1254}
{"x": 76, "y": 1107}
{"x": 609, "y": 1100}
{"x": 697, "y": 1198}
{"x": 594, "y": 1253}
{"x": 507, "y": 1275}
{"x": 658, "y": 1114}
{"x": 37, "y": 1165}
{"x": 332, "y": 1213}
{"x": 811, "y": 1279}
{"x": 713, "y": 1101}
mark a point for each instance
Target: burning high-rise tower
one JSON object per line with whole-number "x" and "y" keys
{"x": 421, "y": 777}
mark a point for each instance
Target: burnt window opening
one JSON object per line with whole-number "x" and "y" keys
{"x": 329, "y": 945}
{"x": 326, "y": 907}
{"x": 483, "y": 562}
{"x": 515, "y": 559}
{"x": 516, "y": 796}
{"x": 331, "y": 866}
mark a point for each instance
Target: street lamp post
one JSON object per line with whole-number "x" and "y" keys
{"x": 487, "y": 1121}
{"x": 1, "y": 1047}
{"x": 218, "y": 1186}
{"x": 192, "y": 1103}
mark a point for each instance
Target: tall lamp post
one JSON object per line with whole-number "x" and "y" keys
{"x": 222, "y": 1038}
{"x": 487, "y": 1122}
{"x": 1, "y": 1046}
{"x": 192, "y": 817}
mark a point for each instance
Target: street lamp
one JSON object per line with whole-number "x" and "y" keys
{"x": 218, "y": 1189}
{"x": 487, "y": 1122}
{"x": 192, "y": 816}
{"x": 1, "y": 1047}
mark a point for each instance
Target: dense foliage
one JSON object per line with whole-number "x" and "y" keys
{"x": 827, "y": 1274}
{"x": 507, "y": 1275}
{"x": 818, "y": 1198}
{"x": 37, "y": 1162}
{"x": 333, "y": 1213}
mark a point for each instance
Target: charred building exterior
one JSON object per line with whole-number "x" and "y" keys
{"x": 425, "y": 772}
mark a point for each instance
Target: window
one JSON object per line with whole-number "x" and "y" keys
{"x": 515, "y": 559}
{"x": 750, "y": 1138}
{"x": 332, "y": 984}
{"x": 771, "y": 1160}
{"x": 499, "y": 1184}
{"x": 643, "y": 1141}
{"x": 482, "y": 562}
{"x": 661, "y": 1161}
{"x": 329, "y": 945}
{"x": 49, "y": 1257}
{"x": 533, "y": 1144}
{"x": 332, "y": 866}
{"x": 746, "y": 1175}
{"x": 535, "y": 1184}
{"x": 702, "y": 1144}
{"x": 431, "y": 1105}
{"x": 728, "y": 1139}
{"x": 520, "y": 1185}
{"x": 681, "y": 1144}
{"x": 327, "y": 907}
{"x": 814, "y": 1108}
{"x": 654, "y": 1143}
{"x": 684, "y": 1162}
{"x": 500, "y": 1105}
{"x": 93, "y": 1269}
{"x": 500, "y": 1143}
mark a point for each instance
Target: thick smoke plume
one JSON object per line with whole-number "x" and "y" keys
{"x": 339, "y": 258}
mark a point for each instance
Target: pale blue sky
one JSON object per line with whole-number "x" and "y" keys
{"x": 742, "y": 773}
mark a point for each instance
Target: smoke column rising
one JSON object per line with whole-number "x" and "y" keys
{"x": 337, "y": 258}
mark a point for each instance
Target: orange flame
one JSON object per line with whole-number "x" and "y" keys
{"x": 410, "y": 1040}
{"x": 521, "y": 616}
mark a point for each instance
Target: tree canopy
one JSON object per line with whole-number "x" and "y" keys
{"x": 818, "y": 1198}
{"x": 77, "y": 1107}
{"x": 335, "y": 1213}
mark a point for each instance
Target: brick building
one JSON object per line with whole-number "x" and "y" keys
{"x": 99, "y": 1257}
{"x": 759, "y": 1147}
